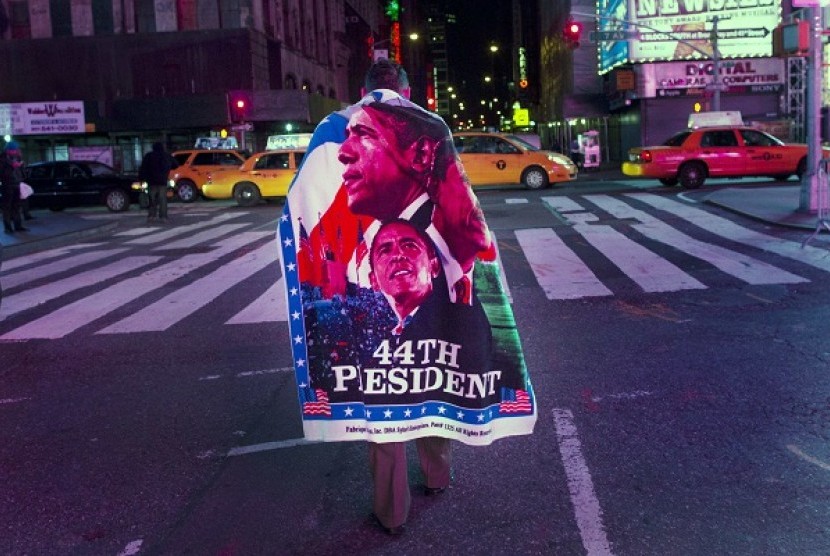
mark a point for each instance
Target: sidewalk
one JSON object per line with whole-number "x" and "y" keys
{"x": 51, "y": 229}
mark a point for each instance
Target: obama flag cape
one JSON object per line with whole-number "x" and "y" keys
{"x": 452, "y": 368}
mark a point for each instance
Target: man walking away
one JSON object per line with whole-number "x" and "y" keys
{"x": 11, "y": 174}
{"x": 155, "y": 169}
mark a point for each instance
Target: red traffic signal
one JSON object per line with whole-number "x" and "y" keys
{"x": 239, "y": 105}
{"x": 572, "y": 33}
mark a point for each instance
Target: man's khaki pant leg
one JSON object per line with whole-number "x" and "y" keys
{"x": 435, "y": 456}
{"x": 391, "y": 485}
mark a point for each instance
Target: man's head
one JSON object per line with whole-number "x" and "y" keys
{"x": 403, "y": 265}
{"x": 385, "y": 74}
{"x": 13, "y": 154}
{"x": 390, "y": 153}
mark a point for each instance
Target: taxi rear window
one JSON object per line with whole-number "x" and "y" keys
{"x": 677, "y": 140}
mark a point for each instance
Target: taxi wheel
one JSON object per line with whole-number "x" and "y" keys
{"x": 116, "y": 200}
{"x": 535, "y": 178}
{"x": 670, "y": 182}
{"x": 246, "y": 194}
{"x": 692, "y": 175}
{"x": 186, "y": 191}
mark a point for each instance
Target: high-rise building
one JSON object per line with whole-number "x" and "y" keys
{"x": 144, "y": 70}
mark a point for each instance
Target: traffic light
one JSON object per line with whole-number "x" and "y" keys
{"x": 239, "y": 105}
{"x": 572, "y": 32}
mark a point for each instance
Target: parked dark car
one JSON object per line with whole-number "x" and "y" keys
{"x": 74, "y": 183}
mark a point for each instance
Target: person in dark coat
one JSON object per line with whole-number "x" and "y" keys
{"x": 11, "y": 174}
{"x": 155, "y": 169}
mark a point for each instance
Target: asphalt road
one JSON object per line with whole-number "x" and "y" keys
{"x": 682, "y": 384}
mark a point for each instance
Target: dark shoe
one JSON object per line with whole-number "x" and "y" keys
{"x": 9, "y": 231}
{"x": 22, "y": 229}
{"x": 434, "y": 491}
{"x": 391, "y": 531}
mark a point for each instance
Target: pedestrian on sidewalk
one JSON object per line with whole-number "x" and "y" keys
{"x": 11, "y": 174}
{"x": 155, "y": 170}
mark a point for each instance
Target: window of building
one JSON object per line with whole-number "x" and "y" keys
{"x": 21, "y": 27}
{"x": 290, "y": 81}
{"x": 145, "y": 16}
{"x": 61, "y": 15}
{"x": 102, "y": 17}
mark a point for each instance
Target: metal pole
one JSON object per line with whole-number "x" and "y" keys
{"x": 809, "y": 181}
{"x": 715, "y": 66}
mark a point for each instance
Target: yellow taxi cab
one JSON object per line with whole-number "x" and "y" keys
{"x": 264, "y": 175}
{"x": 691, "y": 156}
{"x": 194, "y": 167}
{"x": 498, "y": 159}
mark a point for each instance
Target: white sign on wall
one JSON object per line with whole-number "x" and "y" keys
{"x": 753, "y": 75}
{"x": 42, "y": 118}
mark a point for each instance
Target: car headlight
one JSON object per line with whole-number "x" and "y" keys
{"x": 559, "y": 159}
{"x": 139, "y": 185}
{"x": 171, "y": 183}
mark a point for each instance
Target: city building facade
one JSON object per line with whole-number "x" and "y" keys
{"x": 142, "y": 71}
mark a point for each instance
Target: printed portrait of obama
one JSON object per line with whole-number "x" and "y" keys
{"x": 438, "y": 350}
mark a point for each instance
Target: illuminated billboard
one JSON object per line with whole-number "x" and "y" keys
{"x": 682, "y": 29}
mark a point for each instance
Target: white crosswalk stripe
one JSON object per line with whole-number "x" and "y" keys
{"x": 559, "y": 271}
{"x": 648, "y": 269}
{"x": 33, "y": 297}
{"x": 176, "y": 232}
{"x": 645, "y": 238}
{"x": 746, "y": 268}
{"x": 269, "y": 307}
{"x": 55, "y": 267}
{"x": 177, "y": 305}
{"x": 69, "y": 318}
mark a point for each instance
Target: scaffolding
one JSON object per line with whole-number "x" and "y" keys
{"x": 797, "y": 97}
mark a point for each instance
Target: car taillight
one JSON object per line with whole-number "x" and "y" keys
{"x": 209, "y": 176}
{"x": 645, "y": 156}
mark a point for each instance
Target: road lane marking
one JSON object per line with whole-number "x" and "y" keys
{"x": 266, "y": 446}
{"x": 132, "y": 548}
{"x": 563, "y": 204}
{"x": 202, "y": 237}
{"x": 807, "y": 457}
{"x": 33, "y": 297}
{"x": 69, "y": 318}
{"x": 813, "y": 256}
{"x": 185, "y": 301}
{"x": 34, "y": 258}
{"x": 55, "y": 267}
{"x": 559, "y": 271}
{"x": 268, "y": 307}
{"x": 743, "y": 267}
{"x": 13, "y": 400}
{"x": 587, "y": 510}
{"x": 649, "y": 270}
{"x": 176, "y": 232}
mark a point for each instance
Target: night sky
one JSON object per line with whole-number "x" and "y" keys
{"x": 478, "y": 24}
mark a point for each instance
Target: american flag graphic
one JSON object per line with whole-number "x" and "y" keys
{"x": 362, "y": 248}
{"x": 315, "y": 402}
{"x": 515, "y": 401}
